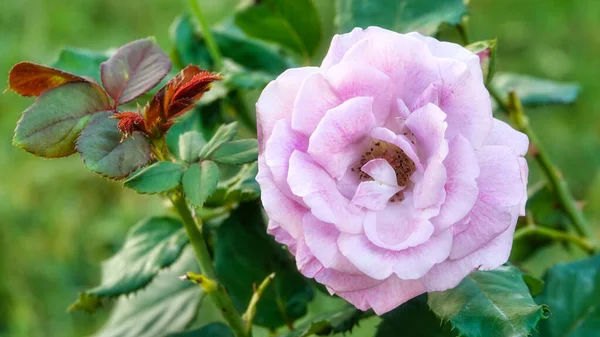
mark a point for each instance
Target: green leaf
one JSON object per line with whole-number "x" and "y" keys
{"x": 536, "y": 91}
{"x": 203, "y": 119}
{"x": 424, "y": 16}
{"x": 489, "y": 303}
{"x": 159, "y": 177}
{"x": 486, "y": 50}
{"x": 330, "y": 323}
{"x": 166, "y": 306}
{"x": 103, "y": 151}
{"x": 240, "y": 264}
{"x": 50, "y": 127}
{"x": 81, "y": 62}
{"x": 243, "y": 186}
{"x": 134, "y": 69}
{"x": 210, "y": 330}
{"x": 237, "y": 152}
{"x": 223, "y": 135}
{"x": 191, "y": 48}
{"x": 200, "y": 181}
{"x": 190, "y": 144}
{"x": 292, "y": 24}
{"x": 573, "y": 293}
{"x": 535, "y": 285}
{"x": 151, "y": 245}
{"x": 414, "y": 319}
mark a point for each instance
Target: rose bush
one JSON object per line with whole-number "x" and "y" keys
{"x": 384, "y": 171}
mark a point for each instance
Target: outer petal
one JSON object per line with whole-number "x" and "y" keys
{"x": 449, "y": 273}
{"x": 405, "y": 59}
{"x": 314, "y": 98}
{"x": 503, "y": 134}
{"x": 462, "y": 169}
{"x": 335, "y": 144}
{"x": 340, "y": 45}
{"x": 281, "y": 209}
{"x": 385, "y": 296}
{"x": 410, "y": 263}
{"x": 453, "y": 51}
{"x": 466, "y": 102}
{"x": 277, "y": 100}
{"x": 278, "y": 150}
{"x": 321, "y": 238}
{"x": 318, "y": 190}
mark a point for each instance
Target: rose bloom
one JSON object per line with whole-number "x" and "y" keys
{"x": 383, "y": 170}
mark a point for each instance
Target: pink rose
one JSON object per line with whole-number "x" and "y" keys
{"x": 383, "y": 170}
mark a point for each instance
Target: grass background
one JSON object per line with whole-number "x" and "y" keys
{"x": 58, "y": 221}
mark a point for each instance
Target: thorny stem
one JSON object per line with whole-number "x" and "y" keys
{"x": 213, "y": 48}
{"x": 514, "y": 108}
{"x": 248, "y": 316}
{"x": 555, "y": 235}
{"x": 193, "y": 228}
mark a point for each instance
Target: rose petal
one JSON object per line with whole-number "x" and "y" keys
{"x": 429, "y": 96}
{"x": 374, "y": 195}
{"x": 400, "y": 141}
{"x": 503, "y": 134}
{"x": 380, "y": 170}
{"x": 280, "y": 145}
{"x": 314, "y": 99}
{"x": 428, "y": 126}
{"x": 277, "y": 100}
{"x": 318, "y": 190}
{"x": 335, "y": 144}
{"x": 340, "y": 45}
{"x": 462, "y": 169}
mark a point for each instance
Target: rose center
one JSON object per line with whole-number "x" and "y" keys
{"x": 395, "y": 156}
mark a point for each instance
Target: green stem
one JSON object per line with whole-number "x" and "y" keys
{"x": 219, "y": 295}
{"x": 514, "y": 108}
{"x": 248, "y": 316}
{"x": 533, "y": 230}
{"x": 213, "y": 48}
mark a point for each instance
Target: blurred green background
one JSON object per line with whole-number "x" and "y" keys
{"x": 58, "y": 221}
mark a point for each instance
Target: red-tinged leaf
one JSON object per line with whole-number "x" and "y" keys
{"x": 50, "y": 126}
{"x": 31, "y": 79}
{"x": 133, "y": 70}
{"x": 129, "y": 122}
{"x": 178, "y": 96}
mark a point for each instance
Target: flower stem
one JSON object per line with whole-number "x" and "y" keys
{"x": 533, "y": 230}
{"x": 213, "y": 48}
{"x": 219, "y": 295}
{"x": 514, "y": 108}
{"x": 248, "y": 316}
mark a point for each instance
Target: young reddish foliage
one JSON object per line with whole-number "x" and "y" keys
{"x": 130, "y": 122}
{"x": 177, "y": 97}
{"x": 31, "y": 79}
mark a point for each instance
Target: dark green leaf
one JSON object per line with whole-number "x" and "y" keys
{"x": 535, "y": 91}
{"x": 159, "y": 177}
{"x": 237, "y": 152}
{"x": 292, "y": 24}
{"x": 414, "y": 319}
{"x": 243, "y": 186}
{"x": 486, "y": 50}
{"x": 223, "y": 135}
{"x": 81, "y": 62}
{"x": 424, "y": 16}
{"x": 535, "y": 285}
{"x": 166, "y": 306}
{"x": 200, "y": 181}
{"x": 573, "y": 293}
{"x": 489, "y": 303}
{"x": 209, "y": 330}
{"x": 134, "y": 69}
{"x": 103, "y": 151}
{"x": 245, "y": 255}
{"x": 329, "y": 323}
{"x": 190, "y": 144}
{"x": 151, "y": 245}
{"x": 253, "y": 55}
{"x": 50, "y": 127}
